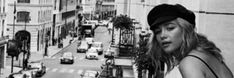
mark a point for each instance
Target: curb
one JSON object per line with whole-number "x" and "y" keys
{"x": 59, "y": 51}
{"x": 62, "y": 49}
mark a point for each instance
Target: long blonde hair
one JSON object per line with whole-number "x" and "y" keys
{"x": 191, "y": 40}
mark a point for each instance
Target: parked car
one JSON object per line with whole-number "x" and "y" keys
{"x": 16, "y": 75}
{"x": 90, "y": 74}
{"x": 83, "y": 47}
{"x": 111, "y": 51}
{"x": 67, "y": 57}
{"x": 30, "y": 73}
{"x": 91, "y": 54}
{"x": 38, "y": 67}
{"x": 89, "y": 40}
{"x": 98, "y": 46}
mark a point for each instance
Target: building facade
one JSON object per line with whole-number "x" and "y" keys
{"x": 31, "y": 17}
{"x": 88, "y": 8}
{"x": 65, "y": 18}
{"x": 3, "y": 37}
{"x": 108, "y": 9}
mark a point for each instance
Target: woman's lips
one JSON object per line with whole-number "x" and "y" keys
{"x": 165, "y": 44}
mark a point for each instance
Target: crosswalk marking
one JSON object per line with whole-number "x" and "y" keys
{"x": 79, "y": 71}
{"x": 62, "y": 70}
{"x": 55, "y": 69}
{"x": 53, "y": 58}
{"x": 66, "y": 70}
{"x": 71, "y": 71}
{"x": 81, "y": 58}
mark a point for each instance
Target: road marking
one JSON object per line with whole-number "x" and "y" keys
{"x": 55, "y": 69}
{"x": 71, "y": 71}
{"x": 81, "y": 58}
{"x": 53, "y": 58}
{"x": 62, "y": 70}
{"x": 80, "y": 71}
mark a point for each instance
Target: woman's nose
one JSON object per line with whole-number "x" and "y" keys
{"x": 163, "y": 35}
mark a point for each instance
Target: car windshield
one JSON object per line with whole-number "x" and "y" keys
{"x": 83, "y": 45}
{"x": 67, "y": 54}
{"x": 96, "y": 45}
{"x": 92, "y": 50}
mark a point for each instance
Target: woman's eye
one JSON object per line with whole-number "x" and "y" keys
{"x": 170, "y": 28}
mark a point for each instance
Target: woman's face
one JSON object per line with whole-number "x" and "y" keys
{"x": 169, "y": 36}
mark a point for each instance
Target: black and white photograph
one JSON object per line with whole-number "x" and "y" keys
{"x": 116, "y": 38}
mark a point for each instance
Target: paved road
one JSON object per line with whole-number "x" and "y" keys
{"x": 57, "y": 70}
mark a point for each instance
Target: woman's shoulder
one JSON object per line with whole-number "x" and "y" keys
{"x": 190, "y": 60}
{"x": 200, "y": 63}
{"x": 191, "y": 67}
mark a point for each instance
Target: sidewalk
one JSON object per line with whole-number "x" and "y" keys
{"x": 7, "y": 71}
{"x": 36, "y": 56}
{"x": 52, "y": 50}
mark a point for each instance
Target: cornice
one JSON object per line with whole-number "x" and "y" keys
{"x": 30, "y": 5}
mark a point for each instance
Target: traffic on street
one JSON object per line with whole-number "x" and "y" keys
{"x": 81, "y": 65}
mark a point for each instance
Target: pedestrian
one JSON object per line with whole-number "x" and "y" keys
{"x": 177, "y": 46}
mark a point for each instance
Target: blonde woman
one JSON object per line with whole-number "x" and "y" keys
{"x": 177, "y": 45}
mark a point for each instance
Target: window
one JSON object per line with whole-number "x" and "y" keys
{"x": 39, "y": 16}
{"x": 4, "y": 5}
{"x": 0, "y": 5}
{"x": 23, "y": 1}
{"x": 23, "y": 16}
{"x": 55, "y": 2}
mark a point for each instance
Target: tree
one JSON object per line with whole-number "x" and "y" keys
{"x": 122, "y": 22}
{"x": 142, "y": 60}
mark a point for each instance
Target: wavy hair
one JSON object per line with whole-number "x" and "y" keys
{"x": 191, "y": 40}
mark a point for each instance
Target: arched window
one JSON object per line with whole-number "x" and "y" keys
{"x": 23, "y": 1}
{"x": 23, "y": 16}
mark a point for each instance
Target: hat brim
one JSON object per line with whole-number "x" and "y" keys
{"x": 161, "y": 20}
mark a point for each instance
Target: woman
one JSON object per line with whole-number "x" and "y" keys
{"x": 176, "y": 44}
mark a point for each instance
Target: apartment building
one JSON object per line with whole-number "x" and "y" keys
{"x": 89, "y": 8}
{"x": 65, "y": 18}
{"x": 30, "y": 20}
{"x": 3, "y": 37}
{"x": 108, "y": 9}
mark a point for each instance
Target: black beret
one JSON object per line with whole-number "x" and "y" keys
{"x": 167, "y": 12}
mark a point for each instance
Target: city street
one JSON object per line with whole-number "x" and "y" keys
{"x": 56, "y": 70}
